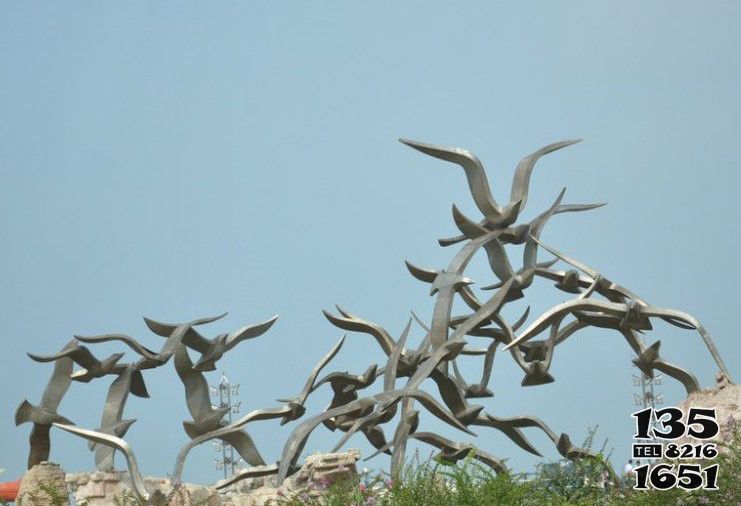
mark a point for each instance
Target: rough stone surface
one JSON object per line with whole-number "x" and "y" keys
{"x": 726, "y": 399}
{"x": 100, "y": 488}
{"x": 40, "y": 483}
{"x": 263, "y": 496}
{"x": 318, "y": 472}
{"x": 326, "y": 468}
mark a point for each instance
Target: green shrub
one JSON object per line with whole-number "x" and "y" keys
{"x": 563, "y": 483}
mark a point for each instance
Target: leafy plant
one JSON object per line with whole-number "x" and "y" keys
{"x": 433, "y": 482}
{"x": 126, "y": 498}
{"x": 56, "y": 496}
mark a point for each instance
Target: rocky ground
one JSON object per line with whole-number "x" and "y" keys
{"x": 47, "y": 485}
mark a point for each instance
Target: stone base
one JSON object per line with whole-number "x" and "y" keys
{"x": 726, "y": 399}
{"x": 319, "y": 471}
{"x": 46, "y": 480}
{"x": 43, "y": 485}
{"x": 100, "y": 489}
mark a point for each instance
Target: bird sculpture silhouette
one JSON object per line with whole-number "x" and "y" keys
{"x": 598, "y": 302}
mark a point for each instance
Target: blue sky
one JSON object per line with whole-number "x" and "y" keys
{"x": 178, "y": 160}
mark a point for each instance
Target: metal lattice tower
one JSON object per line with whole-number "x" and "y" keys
{"x": 648, "y": 396}
{"x": 222, "y": 396}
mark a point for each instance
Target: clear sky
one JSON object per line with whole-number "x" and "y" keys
{"x": 180, "y": 159}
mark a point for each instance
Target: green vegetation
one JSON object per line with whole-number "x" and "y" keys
{"x": 563, "y": 483}
{"x": 46, "y": 492}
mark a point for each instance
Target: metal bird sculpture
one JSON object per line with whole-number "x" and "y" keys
{"x": 211, "y": 349}
{"x": 453, "y": 452}
{"x": 445, "y": 341}
{"x": 45, "y": 414}
{"x": 478, "y": 183}
{"x": 138, "y": 487}
{"x": 297, "y": 403}
{"x": 112, "y": 421}
{"x": 152, "y": 358}
{"x": 365, "y": 405}
{"x": 94, "y": 368}
{"x": 245, "y": 474}
{"x": 206, "y": 418}
{"x": 222, "y": 432}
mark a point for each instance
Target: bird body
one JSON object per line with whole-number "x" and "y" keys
{"x": 46, "y": 413}
{"x": 112, "y": 419}
{"x": 206, "y": 418}
{"x": 453, "y": 452}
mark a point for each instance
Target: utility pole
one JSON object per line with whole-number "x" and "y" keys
{"x": 222, "y": 396}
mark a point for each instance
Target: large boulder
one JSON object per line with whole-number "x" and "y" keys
{"x": 726, "y": 399}
{"x": 43, "y": 485}
{"x": 319, "y": 472}
{"x": 326, "y": 468}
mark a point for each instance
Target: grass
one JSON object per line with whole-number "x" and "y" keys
{"x": 435, "y": 483}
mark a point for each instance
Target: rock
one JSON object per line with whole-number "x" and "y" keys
{"x": 263, "y": 496}
{"x": 326, "y": 469}
{"x": 319, "y": 472}
{"x": 43, "y": 485}
{"x": 722, "y": 380}
{"x": 187, "y": 494}
{"x": 98, "y": 488}
{"x": 104, "y": 488}
{"x": 205, "y": 497}
{"x": 726, "y": 399}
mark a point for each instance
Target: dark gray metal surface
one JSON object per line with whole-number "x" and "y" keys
{"x": 597, "y": 302}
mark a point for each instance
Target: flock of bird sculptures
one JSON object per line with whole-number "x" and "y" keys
{"x": 434, "y": 358}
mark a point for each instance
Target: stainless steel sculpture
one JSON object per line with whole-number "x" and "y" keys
{"x": 112, "y": 421}
{"x": 622, "y": 311}
{"x": 597, "y": 302}
{"x": 137, "y": 482}
{"x": 211, "y": 349}
{"x": 45, "y": 415}
{"x": 206, "y": 418}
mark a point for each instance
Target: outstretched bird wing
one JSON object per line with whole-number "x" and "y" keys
{"x": 248, "y": 332}
{"x": 530, "y": 257}
{"x": 351, "y": 322}
{"x": 309, "y": 385}
{"x": 191, "y": 337}
{"x": 128, "y": 341}
{"x": 392, "y": 365}
{"x": 475, "y": 174}
{"x": 521, "y": 181}
{"x": 81, "y": 355}
{"x": 59, "y": 382}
